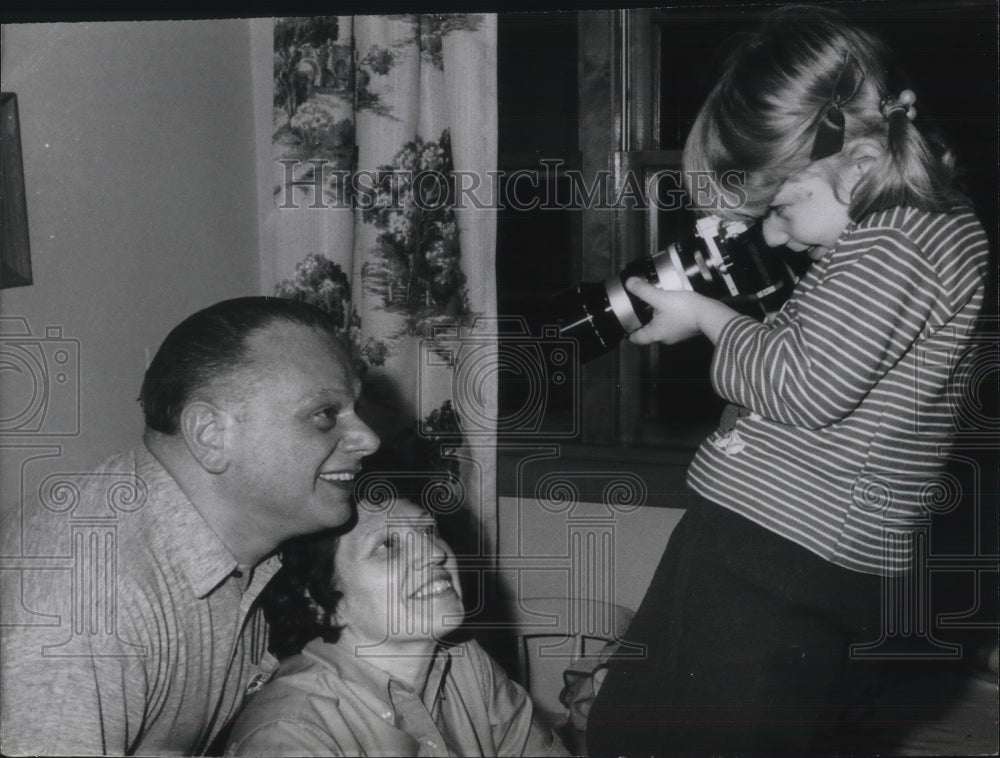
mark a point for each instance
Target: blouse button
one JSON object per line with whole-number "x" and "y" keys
{"x": 256, "y": 683}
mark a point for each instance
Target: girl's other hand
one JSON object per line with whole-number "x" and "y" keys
{"x": 678, "y": 316}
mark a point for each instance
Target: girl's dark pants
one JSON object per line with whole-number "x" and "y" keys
{"x": 747, "y": 639}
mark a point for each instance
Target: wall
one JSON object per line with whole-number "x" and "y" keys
{"x": 581, "y": 549}
{"x": 586, "y": 521}
{"x": 139, "y": 162}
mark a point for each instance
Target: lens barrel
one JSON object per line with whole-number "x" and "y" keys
{"x": 723, "y": 260}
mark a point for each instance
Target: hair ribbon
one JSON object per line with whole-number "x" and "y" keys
{"x": 830, "y": 131}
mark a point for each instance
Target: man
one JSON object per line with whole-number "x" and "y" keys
{"x": 251, "y": 438}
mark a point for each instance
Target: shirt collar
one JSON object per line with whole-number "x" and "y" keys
{"x": 185, "y": 534}
{"x": 372, "y": 683}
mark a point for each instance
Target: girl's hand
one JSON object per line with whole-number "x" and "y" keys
{"x": 678, "y": 316}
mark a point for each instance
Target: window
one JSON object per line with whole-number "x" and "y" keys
{"x": 567, "y": 135}
{"x": 606, "y": 94}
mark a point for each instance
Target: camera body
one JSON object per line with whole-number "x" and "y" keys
{"x": 726, "y": 260}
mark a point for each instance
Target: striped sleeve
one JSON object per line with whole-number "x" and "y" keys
{"x": 850, "y": 330}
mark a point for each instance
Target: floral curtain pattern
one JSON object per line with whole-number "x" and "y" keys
{"x": 373, "y": 118}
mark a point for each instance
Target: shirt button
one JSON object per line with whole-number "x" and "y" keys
{"x": 431, "y": 744}
{"x": 256, "y": 683}
{"x": 387, "y": 715}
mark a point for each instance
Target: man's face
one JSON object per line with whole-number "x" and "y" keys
{"x": 296, "y": 443}
{"x": 399, "y": 580}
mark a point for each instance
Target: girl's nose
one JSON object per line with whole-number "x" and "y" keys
{"x": 773, "y": 230}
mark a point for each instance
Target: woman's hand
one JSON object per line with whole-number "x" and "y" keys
{"x": 678, "y": 316}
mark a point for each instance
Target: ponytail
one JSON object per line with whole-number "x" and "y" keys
{"x": 915, "y": 170}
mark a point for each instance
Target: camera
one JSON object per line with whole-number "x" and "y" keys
{"x": 42, "y": 387}
{"x": 539, "y": 396}
{"x": 726, "y": 260}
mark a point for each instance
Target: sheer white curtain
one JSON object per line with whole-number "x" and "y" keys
{"x": 378, "y": 127}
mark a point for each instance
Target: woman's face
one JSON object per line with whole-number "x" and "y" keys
{"x": 399, "y": 581}
{"x": 807, "y": 213}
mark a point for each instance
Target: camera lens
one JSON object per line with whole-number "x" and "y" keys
{"x": 725, "y": 260}
{"x": 584, "y": 313}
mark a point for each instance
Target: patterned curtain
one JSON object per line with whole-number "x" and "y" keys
{"x": 380, "y": 127}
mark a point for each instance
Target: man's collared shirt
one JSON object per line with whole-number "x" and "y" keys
{"x": 153, "y": 635}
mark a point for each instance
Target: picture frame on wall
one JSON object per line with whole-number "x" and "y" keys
{"x": 15, "y": 250}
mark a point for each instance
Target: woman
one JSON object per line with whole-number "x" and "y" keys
{"x": 378, "y": 677}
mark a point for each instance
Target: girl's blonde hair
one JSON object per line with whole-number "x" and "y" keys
{"x": 762, "y": 116}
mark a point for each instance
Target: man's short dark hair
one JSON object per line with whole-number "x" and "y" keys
{"x": 212, "y": 345}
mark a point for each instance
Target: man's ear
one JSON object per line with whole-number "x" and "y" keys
{"x": 205, "y": 428}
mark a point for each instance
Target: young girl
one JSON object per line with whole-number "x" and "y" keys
{"x": 808, "y": 504}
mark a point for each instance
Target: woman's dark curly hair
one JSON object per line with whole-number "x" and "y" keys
{"x": 300, "y": 603}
